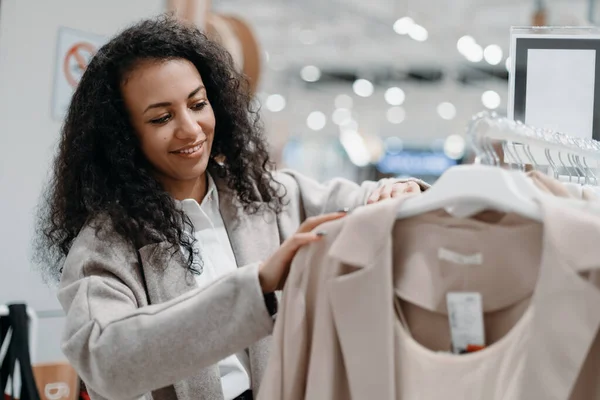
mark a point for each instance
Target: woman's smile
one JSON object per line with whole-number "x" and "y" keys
{"x": 192, "y": 151}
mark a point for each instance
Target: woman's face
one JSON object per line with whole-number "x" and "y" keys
{"x": 170, "y": 112}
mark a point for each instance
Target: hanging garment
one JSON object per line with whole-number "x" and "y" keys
{"x": 338, "y": 333}
{"x": 563, "y": 189}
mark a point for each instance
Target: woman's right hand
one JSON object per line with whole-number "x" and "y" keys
{"x": 273, "y": 272}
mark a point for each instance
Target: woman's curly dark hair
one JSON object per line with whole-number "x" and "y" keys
{"x": 100, "y": 169}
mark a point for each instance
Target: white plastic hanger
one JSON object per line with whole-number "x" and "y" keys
{"x": 466, "y": 190}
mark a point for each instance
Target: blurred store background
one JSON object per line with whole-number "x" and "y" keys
{"x": 358, "y": 89}
{"x": 363, "y": 89}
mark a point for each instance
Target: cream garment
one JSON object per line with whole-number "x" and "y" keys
{"x": 423, "y": 274}
{"x": 490, "y": 374}
{"x": 218, "y": 259}
{"x": 563, "y": 189}
{"x": 337, "y": 330}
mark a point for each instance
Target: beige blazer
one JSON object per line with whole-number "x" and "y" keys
{"x": 334, "y": 333}
{"x": 136, "y": 322}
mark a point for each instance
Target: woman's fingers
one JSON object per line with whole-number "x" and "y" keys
{"x": 391, "y": 190}
{"x": 374, "y": 197}
{"x": 301, "y": 239}
{"x": 386, "y": 191}
{"x": 401, "y": 188}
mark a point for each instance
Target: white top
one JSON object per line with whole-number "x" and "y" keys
{"x": 217, "y": 260}
{"x": 491, "y": 374}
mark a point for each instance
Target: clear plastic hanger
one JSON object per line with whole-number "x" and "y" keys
{"x": 466, "y": 190}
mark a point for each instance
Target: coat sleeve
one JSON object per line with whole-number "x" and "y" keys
{"x": 316, "y": 198}
{"x": 122, "y": 348}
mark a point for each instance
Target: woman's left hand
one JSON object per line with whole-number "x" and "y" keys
{"x": 394, "y": 189}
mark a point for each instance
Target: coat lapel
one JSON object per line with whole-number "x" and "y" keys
{"x": 362, "y": 300}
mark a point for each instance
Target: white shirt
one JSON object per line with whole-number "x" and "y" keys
{"x": 217, "y": 260}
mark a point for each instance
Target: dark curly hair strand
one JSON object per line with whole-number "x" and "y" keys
{"x": 100, "y": 169}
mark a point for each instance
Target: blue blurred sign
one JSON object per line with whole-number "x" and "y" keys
{"x": 412, "y": 162}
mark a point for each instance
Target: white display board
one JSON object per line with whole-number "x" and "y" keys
{"x": 75, "y": 50}
{"x": 555, "y": 79}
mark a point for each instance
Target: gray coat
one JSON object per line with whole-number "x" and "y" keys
{"x": 138, "y": 327}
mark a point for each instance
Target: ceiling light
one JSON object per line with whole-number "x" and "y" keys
{"x": 275, "y": 102}
{"x": 316, "y": 120}
{"x": 454, "y": 146}
{"x": 508, "y": 64}
{"x": 310, "y": 73}
{"x": 396, "y": 115}
{"x": 468, "y": 47}
{"x": 307, "y": 36}
{"x": 464, "y": 44}
{"x": 403, "y": 25}
{"x": 490, "y": 99}
{"x": 446, "y": 110}
{"x": 363, "y": 88}
{"x": 343, "y": 101}
{"x": 474, "y": 53}
{"x": 418, "y": 33}
{"x": 341, "y": 116}
{"x": 493, "y": 54}
{"x": 355, "y": 147}
{"x": 395, "y": 96}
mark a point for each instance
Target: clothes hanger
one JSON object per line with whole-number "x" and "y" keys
{"x": 466, "y": 190}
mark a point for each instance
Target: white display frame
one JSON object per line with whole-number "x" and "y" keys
{"x": 523, "y": 39}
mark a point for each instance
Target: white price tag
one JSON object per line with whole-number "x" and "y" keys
{"x": 465, "y": 314}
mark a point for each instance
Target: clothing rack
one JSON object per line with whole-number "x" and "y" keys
{"x": 523, "y": 145}
{"x": 33, "y": 328}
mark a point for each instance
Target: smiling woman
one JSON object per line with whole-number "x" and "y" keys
{"x": 168, "y": 259}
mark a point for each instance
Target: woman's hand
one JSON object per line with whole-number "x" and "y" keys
{"x": 394, "y": 189}
{"x": 273, "y": 272}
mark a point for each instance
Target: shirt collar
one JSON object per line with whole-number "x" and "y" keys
{"x": 212, "y": 194}
{"x": 211, "y": 197}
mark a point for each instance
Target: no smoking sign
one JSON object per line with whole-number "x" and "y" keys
{"x": 76, "y": 61}
{"x": 75, "y": 50}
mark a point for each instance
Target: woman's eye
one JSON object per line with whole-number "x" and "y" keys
{"x": 161, "y": 120}
{"x": 199, "y": 106}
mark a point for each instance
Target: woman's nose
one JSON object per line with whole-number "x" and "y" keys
{"x": 187, "y": 127}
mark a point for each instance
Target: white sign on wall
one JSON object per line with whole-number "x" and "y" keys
{"x": 74, "y": 52}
